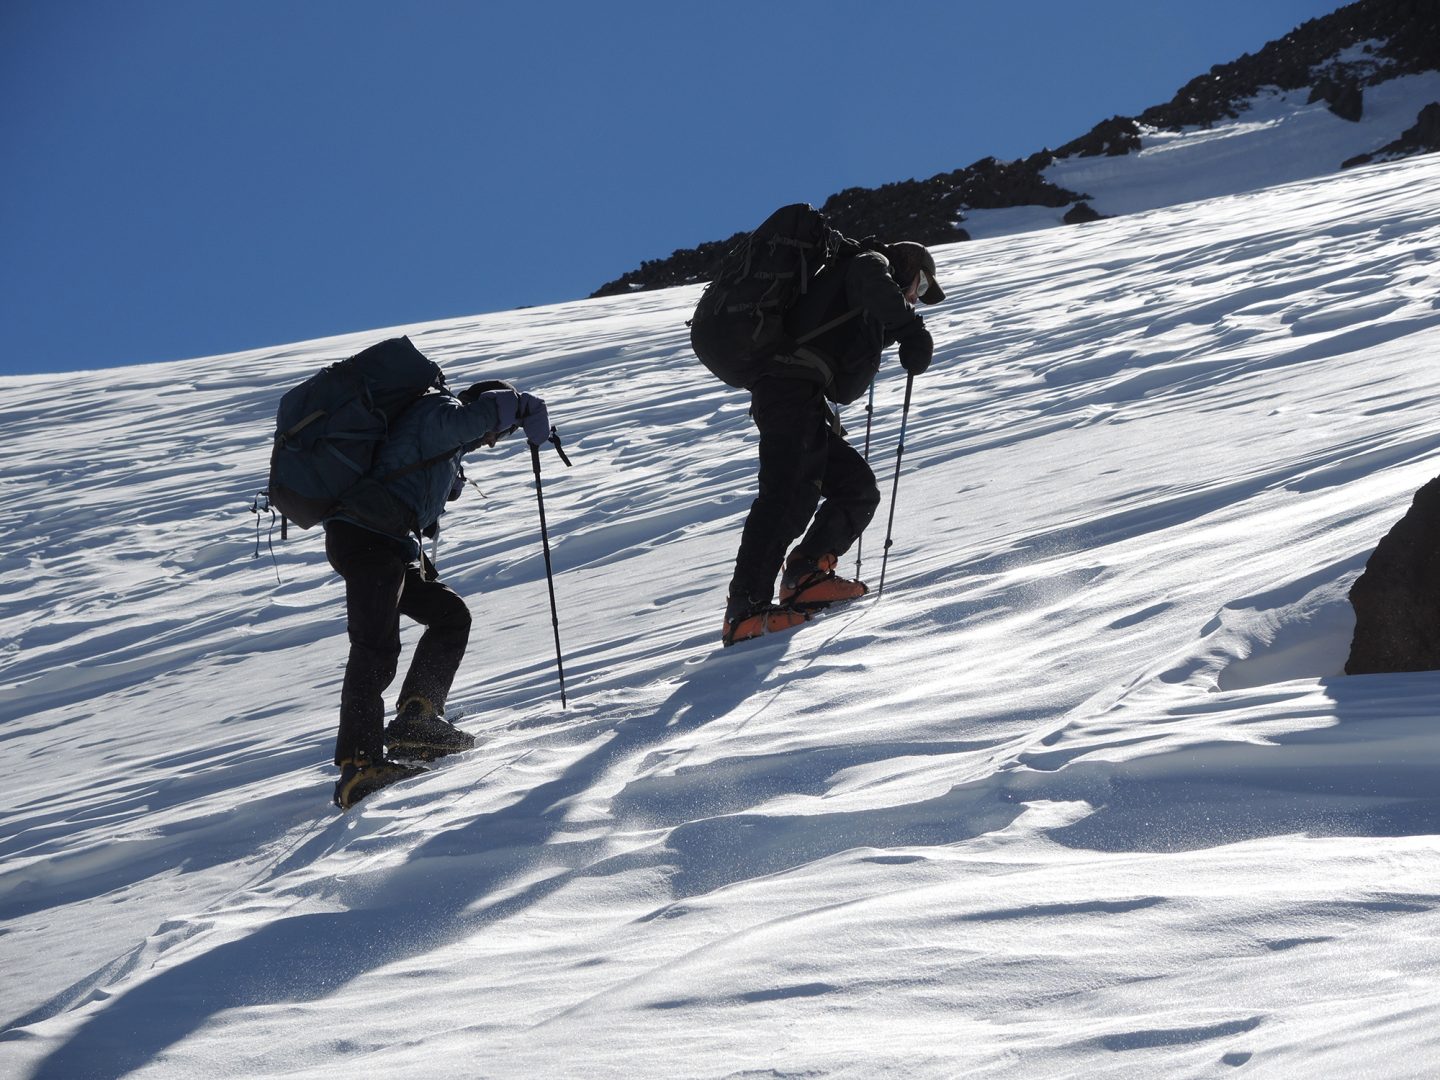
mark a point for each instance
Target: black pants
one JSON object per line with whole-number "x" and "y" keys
{"x": 381, "y": 584}
{"x": 802, "y": 460}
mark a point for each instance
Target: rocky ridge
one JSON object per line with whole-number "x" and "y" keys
{"x": 1337, "y": 56}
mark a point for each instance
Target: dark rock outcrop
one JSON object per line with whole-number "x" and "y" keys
{"x": 689, "y": 266}
{"x": 1397, "y": 598}
{"x": 1081, "y": 213}
{"x": 1423, "y": 138}
{"x": 1342, "y": 94}
{"x": 1426, "y": 131}
{"x": 1112, "y": 138}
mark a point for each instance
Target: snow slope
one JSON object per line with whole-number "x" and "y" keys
{"x": 1082, "y": 794}
{"x": 1276, "y": 139}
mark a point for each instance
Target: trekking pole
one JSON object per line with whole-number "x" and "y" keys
{"x": 545, "y": 540}
{"x": 869, "y": 419}
{"x": 895, "y": 488}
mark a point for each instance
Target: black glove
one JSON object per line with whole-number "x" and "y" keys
{"x": 916, "y": 348}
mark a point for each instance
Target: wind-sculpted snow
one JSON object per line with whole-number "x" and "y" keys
{"x": 1082, "y": 794}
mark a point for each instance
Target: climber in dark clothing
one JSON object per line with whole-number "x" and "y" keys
{"x": 865, "y": 303}
{"x": 372, "y": 542}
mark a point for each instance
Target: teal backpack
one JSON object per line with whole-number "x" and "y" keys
{"x": 328, "y": 429}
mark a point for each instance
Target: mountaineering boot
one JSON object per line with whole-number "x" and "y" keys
{"x": 810, "y": 584}
{"x": 745, "y": 621}
{"x": 360, "y": 778}
{"x": 418, "y": 731}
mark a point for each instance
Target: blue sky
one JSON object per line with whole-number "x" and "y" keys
{"x": 190, "y": 177}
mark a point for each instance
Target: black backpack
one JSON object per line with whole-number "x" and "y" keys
{"x": 330, "y": 426}
{"x": 739, "y": 324}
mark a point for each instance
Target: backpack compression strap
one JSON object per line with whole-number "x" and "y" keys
{"x": 831, "y": 325}
{"x": 292, "y": 432}
{"x": 814, "y": 359}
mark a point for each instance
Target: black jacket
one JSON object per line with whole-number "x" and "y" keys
{"x": 847, "y": 355}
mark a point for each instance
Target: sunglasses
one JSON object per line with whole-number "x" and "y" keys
{"x": 922, "y": 285}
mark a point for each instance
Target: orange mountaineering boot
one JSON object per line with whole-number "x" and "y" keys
{"x": 745, "y": 621}
{"x": 811, "y": 584}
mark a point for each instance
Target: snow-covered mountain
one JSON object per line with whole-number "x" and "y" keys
{"x": 1280, "y": 137}
{"x": 1082, "y": 793}
{"x": 1358, "y": 85}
